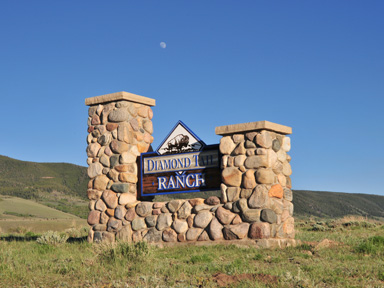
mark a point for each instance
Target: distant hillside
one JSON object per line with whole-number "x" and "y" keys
{"x": 316, "y": 203}
{"x": 59, "y": 185}
{"x": 334, "y": 204}
{"x": 63, "y": 186}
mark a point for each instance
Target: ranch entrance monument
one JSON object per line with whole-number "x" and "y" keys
{"x": 250, "y": 167}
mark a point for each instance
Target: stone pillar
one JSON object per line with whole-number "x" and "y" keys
{"x": 256, "y": 176}
{"x": 120, "y": 129}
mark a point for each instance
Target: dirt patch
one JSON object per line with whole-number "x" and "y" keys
{"x": 224, "y": 280}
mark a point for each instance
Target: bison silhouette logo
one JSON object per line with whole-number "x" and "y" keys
{"x": 180, "y": 140}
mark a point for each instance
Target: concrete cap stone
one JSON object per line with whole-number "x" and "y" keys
{"x": 120, "y": 96}
{"x": 253, "y": 126}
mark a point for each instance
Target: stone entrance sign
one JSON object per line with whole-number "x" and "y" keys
{"x": 254, "y": 176}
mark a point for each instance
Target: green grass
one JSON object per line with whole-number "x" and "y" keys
{"x": 19, "y": 207}
{"x": 349, "y": 261}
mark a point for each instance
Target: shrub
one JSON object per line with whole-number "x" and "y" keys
{"x": 373, "y": 245}
{"x": 52, "y": 238}
{"x": 124, "y": 250}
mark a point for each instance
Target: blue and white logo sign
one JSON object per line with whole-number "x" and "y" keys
{"x": 180, "y": 140}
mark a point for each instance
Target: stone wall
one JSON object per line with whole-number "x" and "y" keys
{"x": 120, "y": 129}
{"x": 255, "y": 202}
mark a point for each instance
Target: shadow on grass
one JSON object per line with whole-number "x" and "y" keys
{"x": 17, "y": 238}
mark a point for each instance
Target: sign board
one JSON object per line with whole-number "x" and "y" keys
{"x": 182, "y": 163}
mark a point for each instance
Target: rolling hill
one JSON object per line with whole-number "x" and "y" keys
{"x": 63, "y": 186}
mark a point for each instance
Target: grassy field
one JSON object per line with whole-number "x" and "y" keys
{"x": 21, "y": 215}
{"x": 346, "y": 252}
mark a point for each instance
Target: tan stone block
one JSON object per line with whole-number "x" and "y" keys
{"x": 120, "y": 96}
{"x": 252, "y": 127}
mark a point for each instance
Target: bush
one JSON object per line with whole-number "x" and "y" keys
{"x": 52, "y": 238}
{"x": 373, "y": 245}
{"x": 124, "y": 250}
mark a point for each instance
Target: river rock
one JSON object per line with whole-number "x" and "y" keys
{"x": 174, "y": 205}
{"x": 215, "y": 229}
{"x": 249, "y": 181}
{"x": 114, "y": 160}
{"x": 164, "y": 220}
{"x": 276, "y": 191}
{"x": 111, "y": 126}
{"x": 236, "y": 220}
{"x": 153, "y": 236}
{"x": 124, "y": 133}
{"x": 287, "y": 171}
{"x": 118, "y": 115}
{"x": 276, "y": 145}
{"x": 120, "y": 187}
{"x": 264, "y": 139}
{"x": 138, "y": 224}
{"x": 196, "y": 201}
{"x": 151, "y": 220}
{"x": 120, "y": 212}
{"x": 100, "y": 205}
{"x": 259, "y": 230}
{"x": 203, "y": 236}
{"x": 93, "y": 217}
{"x": 212, "y": 200}
{"x": 288, "y": 194}
{"x": 182, "y": 237}
{"x": 239, "y": 231}
{"x": 119, "y": 147}
{"x": 232, "y": 176}
{"x": 130, "y": 215}
{"x": 202, "y": 207}
{"x": 259, "y": 197}
{"x": 144, "y": 209}
{"x": 127, "y": 158}
{"x": 256, "y": 161}
{"x": 286, "y": 145}
{"x": 110, "y": 198}
{"x": 180, "y": 226}
{"x": 169, "y": 235}
{"x": 242, "y": 204}
{"x": 185, "y": 210}
{"x": 101, "y": 182}
{"x": 105, "y": 139}
{"x": 202, "y": 219}
{"x": 265, "y": 176}
{"x": 95, "y": 169}
{"x": 126, "y": 198}
{"x": 233, "y": 193}
{"x": 251, "y": 215}
{"x": 125, "y": 234}
{"x": 93, "y": 194}
{"x": 193, "y": 234}
{"x": 240, "y": 149}
{"x": 226, "y": 145}
{"x": 268, "y": 215}
{"x": 114, "y": 225}
{"x": 93, "y": 149}
{"x": 224, "y": 216}
{"x": 190, "y": 220}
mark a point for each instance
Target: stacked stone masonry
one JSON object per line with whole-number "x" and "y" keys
{"x": 256, "y": 196}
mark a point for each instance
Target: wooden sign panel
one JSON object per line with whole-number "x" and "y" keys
{"x": 181, "y": 172}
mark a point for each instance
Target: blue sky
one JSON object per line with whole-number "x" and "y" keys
{"x": 317, "y": 66}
